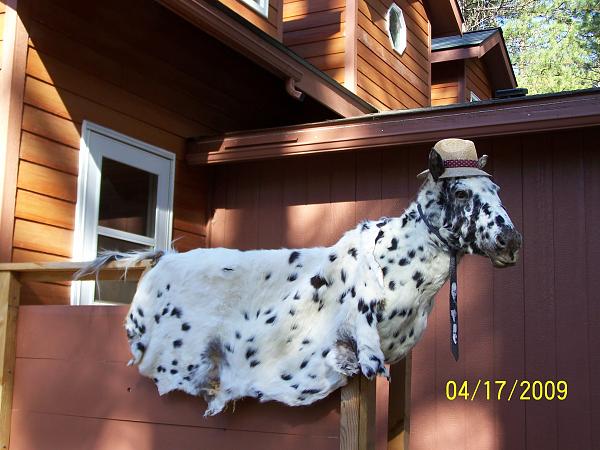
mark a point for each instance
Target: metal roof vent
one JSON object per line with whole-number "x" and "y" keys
{"x": 511, "y": 93}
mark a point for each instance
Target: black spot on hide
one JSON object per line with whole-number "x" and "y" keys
{"x": 250, "y": 339}
{"x": 250, "y": 352}
{"x": 343, "y": 275}
{"x": 292, "y": 277}
{"x": 141, "y": 347}
{"x": 411, "y": 254}
{"x": 286, "y": 376}
{"x": 294, "y": 386}
{"x": 174, "y": 371}
{"x": 267, "y": 276}
{"x": 412, "y": 332}
{"x": 160, "y": 369}
{"x": 174, "y": 362}
{"x": 304, "y": 364}
{"x": 176, "y": 312}
{"x": 238, "y": 335}
{"x": 306, "y": 341}
{"x": 177, "y": 343}
{"x": 352, "y": 252}
{"x": 168, "y": 287}
{"x": 418, "y": 277}
{"x": 393, "y": 314}
{"x": 384, "y": 271}
{"x": 369, "y": 318}
{"x": 391, "y": 346}
{"x": 156, "y": 318}
{"x": 392, "y": 285}
{"x": 254, "y": 363}
{"x": 317, "y": 281}
{"x": 332, "y": 257}
{"x": 159, "y": 294}
{"x": 293, "y": 256}
{"x": 394, "y": 245}
{"x": 140, "y": 312}
{"x": 403, "y": 262}
{"x": 311, "y": 391}
{"x": 364, "y": 227}
{"x": 499, "y": 221}
{"x": 246, "y": 316}
{"x": 325, "y": 353}
{"x": 292, "y": 312}
{"x": 379, "y": 236}
{"x": 353, "y": 292}
{"x": 185, "y": 326}
{"x": 486, "y": 209}
{"x": 227, "y": 269}
{"x": 228, "y": 347}
{"x": 271, "y": 319}
{"x": 297, "y": 296}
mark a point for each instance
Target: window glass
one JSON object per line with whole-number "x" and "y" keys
{"x": 115, "y": 291}
{"x": 127, "y": 198}
{"x": 396, "y": 28}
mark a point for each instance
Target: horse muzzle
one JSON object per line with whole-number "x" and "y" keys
{"x": 507, "y": 245}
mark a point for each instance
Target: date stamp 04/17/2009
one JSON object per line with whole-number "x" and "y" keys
{"x": 503, "y": 390}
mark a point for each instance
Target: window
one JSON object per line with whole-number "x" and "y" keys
{"x": 262, "y": 6}
{"x": 396, "y": 28}
{"x": 474, "y": 97}
{"x": 124, "y": 202}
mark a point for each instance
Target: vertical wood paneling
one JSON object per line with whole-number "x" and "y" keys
{"x": 508, "y": 308}
{"x": 477, "y": 80}
{"x": 572, "y": 364}
{"x": 591, "y": 164}
{"x": 270, "y": 24}
{"x": 540, "y": 298}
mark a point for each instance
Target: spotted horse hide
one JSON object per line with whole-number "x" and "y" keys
{"x": 293, "y": 325}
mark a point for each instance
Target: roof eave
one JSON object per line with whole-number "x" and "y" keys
{"x": 522, "y": 115}
{"x": 237, "y": 33}
{"x": 503, "y": 73}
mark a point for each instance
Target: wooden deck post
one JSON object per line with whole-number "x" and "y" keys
{"x": 358, "y": 409}
{"x": 9, "y": 305}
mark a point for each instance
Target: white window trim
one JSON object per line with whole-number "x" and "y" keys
{"x": 88, "y": 197}
{"x": 403, "y": 37}
{"x": 262, "y": 6}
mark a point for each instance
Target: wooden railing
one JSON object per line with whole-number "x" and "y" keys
{"x": 358, "y": 430}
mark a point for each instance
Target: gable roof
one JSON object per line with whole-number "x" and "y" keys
{"x": 468, "y": 39}
{"x": 487, "y": 45}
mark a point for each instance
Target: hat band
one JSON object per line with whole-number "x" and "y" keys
{"x": 453, "y": 163}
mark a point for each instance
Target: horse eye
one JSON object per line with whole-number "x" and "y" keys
{"x": 461, "y": 195}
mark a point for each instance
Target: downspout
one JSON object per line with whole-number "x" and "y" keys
{"x": 290, "y": 87}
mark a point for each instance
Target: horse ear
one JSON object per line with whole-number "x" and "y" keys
{"x": 436, "y": 164}
{"x": 482, "y": 161}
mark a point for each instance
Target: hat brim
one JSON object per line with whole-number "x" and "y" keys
{"x": 453, "y": 172}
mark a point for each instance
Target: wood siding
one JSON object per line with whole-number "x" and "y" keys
{"x": 448, "y": 83}
{"x": 316, "y": 30}
{"x": 270, "y": 25}
{"x": 75, "y": 71}
{"x": 536, "y": 321}
{"x": 96, "y": 402}
{"x": 385, "y": 78}
{"x": 477, "y": 80}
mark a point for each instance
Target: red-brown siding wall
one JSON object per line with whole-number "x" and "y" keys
{"x": 74, "y": 391}
{"x": 385, "y": 78}
{"x": 316, "y": 31}
{"x": 270, "y": 24}
{"x": 536, "y": 321}
{"x": 477, "y": 80}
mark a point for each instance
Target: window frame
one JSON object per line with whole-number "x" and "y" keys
{"x": 474, "y": 97}
{"x": 142, "y": 156}
{"x": 403, "y": 32}
{"x": 261, "y": 7}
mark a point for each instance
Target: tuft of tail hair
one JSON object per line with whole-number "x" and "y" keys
{"x": 129, "y": 258}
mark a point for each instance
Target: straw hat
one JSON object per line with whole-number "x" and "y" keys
{"x": 459, "y": 159}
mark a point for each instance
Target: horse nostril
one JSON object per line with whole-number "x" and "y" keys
{"x": 500, "y": 241}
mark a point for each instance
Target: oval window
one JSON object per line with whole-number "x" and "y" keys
{"x": 396, "y": 28}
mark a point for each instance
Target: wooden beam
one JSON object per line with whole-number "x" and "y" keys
{"x": 12, "y": 87}
{"x": 9, "y": 305}
{"x": 64, "y": 271}
{"x": 391, "y": 129}
{"x": 358, "y": 413}
{"x": 269, "y": 54}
